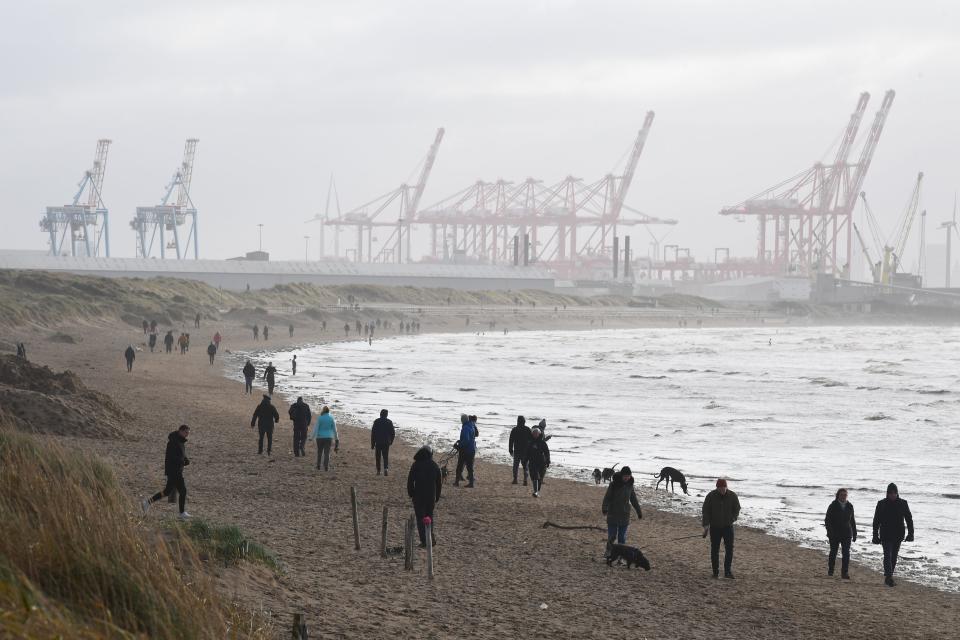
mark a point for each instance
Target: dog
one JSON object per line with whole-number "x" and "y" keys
{"x": 607, "y": 474}
{"x": 631, "y": 555}
{"x": 443, "y": 474}
{"x": 597, "y": 475}
{"x": 669, "y": 475}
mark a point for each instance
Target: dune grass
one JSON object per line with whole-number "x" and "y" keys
{"x": 76, "y": 563}
{"x": 226, "y": 543}
{"x": 50, "y": 299}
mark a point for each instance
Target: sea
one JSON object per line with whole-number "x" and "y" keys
{"x": 788, "y": 415}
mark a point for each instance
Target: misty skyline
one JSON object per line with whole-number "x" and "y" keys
{"x": 281, "y": 96}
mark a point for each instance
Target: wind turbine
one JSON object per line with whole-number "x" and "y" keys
{"x": 950, "y": 226}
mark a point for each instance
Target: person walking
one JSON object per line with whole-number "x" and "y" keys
{"x": 256, "y": 333}
{"x": 146, "y": 327}
{"x": 196, "y": 321}
{"x": 538, "y": 459}
{"x": 291, "y": 330}
{"x": 265, "y": 416}
{"x": 174, "y": 460}
{"x": 182, "y": 343}
{"x": 841, "y": 530}
{"x": 293, "y": 365}
{"x": 249, "y": 373}
{"x": 211, "y": 351}
{"x": 152, "y": 341}
{"x": 266, "y": 332}
{"x": 217, "y": 338}
{"x": 520, "y": 437}
{"x": 325, "y": 433}
{"x": 270, "y": 375}
{"x": 130, "y": 355}
{"x": 618, "y": 499}
{"x": 301, "y": 417}
{"x": 168, "y": 341}
{"x": 424, "y": 483}
{"x": 381, "y": 437}
{"x": 346, "y": 330}
{"x": 888, "y": 529}
{"x": 467, "y": 450}
{"x": 721, "y": 508}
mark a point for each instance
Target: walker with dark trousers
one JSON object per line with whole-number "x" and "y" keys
{"x": 721, "y": 508}
{"x": 382, "y": 435}
{"x": 174, "y": 460}
{"x": 888, "y": 529}
{"x": 841, "y": 531}
{"x": 424, "y": 483}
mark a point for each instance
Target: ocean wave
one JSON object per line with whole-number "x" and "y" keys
{"x": 932, "y": 392}
{"x": 878, "y": 416}
{"x": 712, "y": 405}
{"x": 681, "y": 370}
{"x": 824, "y": 382}
{"x": 648, "y": 377}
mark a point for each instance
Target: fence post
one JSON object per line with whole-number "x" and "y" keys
{"x": 428, "y": 537}
{"x": 408, "y": 544}
{"x": 299, "y": 627}
{"x": 356, "y": 521}
{"x": 383, "y": 534}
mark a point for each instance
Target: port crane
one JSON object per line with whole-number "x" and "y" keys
{"x": 85, "y": 221}
{"x": 891, "y": 252}
{"x": 152, "y": 223}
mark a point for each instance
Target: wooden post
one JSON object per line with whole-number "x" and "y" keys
{"x": 299, "y": 627}
{"x": 356, "y": 521}
{"x": 383, "y": 534}
{"x": 428, "y": 537}
{"x": 408, "y": 543}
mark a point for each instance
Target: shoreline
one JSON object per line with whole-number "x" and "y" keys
{"x": 661, "y": 501}
{"x": 495, "y": 562}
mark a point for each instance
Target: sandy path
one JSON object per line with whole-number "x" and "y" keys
{"x": 495, "y": 563}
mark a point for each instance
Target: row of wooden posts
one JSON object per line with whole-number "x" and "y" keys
{"x": 409, "y": 535}
{"x": 409, "y": 531}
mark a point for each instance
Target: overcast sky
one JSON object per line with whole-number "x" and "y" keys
{"x": 281, "y": 94}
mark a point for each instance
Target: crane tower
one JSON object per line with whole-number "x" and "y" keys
{"x": 811, "y": 213}
{"x": 85, "y": 220}
{"x": 152, "y": 224}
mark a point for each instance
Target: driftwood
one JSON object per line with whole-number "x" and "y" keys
{"x": 560, "y": 526}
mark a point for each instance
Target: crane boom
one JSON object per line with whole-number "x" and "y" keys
{"x": 908, "y": 216}
{"x": 424, "y": 174}
{"x": 829, "y": 191}
{"x": 97, "y": 173}
{"x": 621, "y": 194}
{"x": 186, "y": 172}
{"x": 866, "y": 154}
{"x": 866, "y": 253}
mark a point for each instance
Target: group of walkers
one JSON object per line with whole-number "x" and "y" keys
{"x": 529, "y": 450}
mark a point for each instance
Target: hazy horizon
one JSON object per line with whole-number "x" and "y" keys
{"x": 281, "y": 96}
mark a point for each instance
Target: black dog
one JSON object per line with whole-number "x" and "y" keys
{"x": 597, "y": 475}
{"x": 631, "y": 555}
{"x": 607, "y": 474}
{"x": 671, "y": 475}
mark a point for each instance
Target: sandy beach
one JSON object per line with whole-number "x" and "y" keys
{"x": 498, "y": 571}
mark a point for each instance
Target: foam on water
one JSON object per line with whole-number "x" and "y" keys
{"x": 820, "y": 408}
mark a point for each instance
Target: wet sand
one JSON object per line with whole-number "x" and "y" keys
{"x": 496, "y": 566}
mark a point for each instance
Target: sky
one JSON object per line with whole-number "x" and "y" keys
{"x": 283, "y": 94}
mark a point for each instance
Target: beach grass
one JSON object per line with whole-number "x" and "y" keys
{"x": 51, "y": 299}
{"x": 76, "y": 562}
{"x": 226, "y": 543}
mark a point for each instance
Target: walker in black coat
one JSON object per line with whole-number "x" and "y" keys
{"x": 424, "y": 483}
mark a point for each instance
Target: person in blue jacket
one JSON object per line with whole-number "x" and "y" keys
{"x": 325, "y": 433}
{"x": 467, "y": 447}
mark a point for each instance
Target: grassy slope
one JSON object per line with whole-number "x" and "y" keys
{"x": 74, "y": 563}
{"x": 48, "y": 299}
